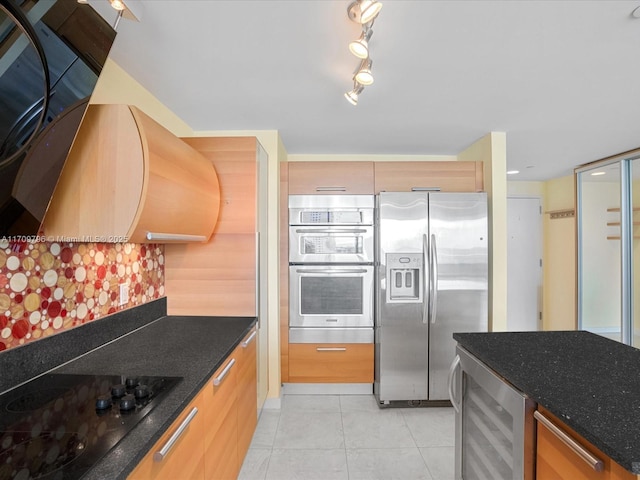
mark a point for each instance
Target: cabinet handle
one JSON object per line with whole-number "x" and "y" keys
{"x": 164, "y": 451}
{"x": 218, "y": 380}
{"x": 331, "y": 189}
{"x": 455, "y": 367}
{"x": 331, "y": 349}
{"x": 174, "y": 237}
{"x": 246, "y": 343}
{"x": 578, "y": 449}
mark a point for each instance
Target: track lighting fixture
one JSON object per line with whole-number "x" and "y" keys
{"x": 360, "y": 47}
{"x": 363, "y": 73}
{"x": 352, "y": 95}
{"x": 117, "y": 4}
{"x": 363, "y": 12}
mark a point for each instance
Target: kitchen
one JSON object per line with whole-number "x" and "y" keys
{"x": 119, "y": 87}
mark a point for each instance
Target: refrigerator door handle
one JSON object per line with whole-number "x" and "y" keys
{"x": 426, "y": 300}
{"x": 433, "y": 295}
{"x": 455, "y": 366}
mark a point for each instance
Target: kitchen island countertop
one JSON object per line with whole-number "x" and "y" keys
{"x": 188, "y": 347}
{"x": 589, "y": 382}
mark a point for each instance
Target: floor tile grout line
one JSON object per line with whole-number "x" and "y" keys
{"x": 273, "y": 441}
{"x": 344, "y": 438}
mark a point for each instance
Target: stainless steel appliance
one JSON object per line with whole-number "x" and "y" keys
{"x": 432, "y": 280}
{"x": 331, "y": 296}
{"x": 331, "y": 229}
{"x": 71, "y": 421}
{"x": 331, "y": 272}
{"x": 493, "y": 423}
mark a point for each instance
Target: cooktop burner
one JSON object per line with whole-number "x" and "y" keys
{"x": 59, "y": 425}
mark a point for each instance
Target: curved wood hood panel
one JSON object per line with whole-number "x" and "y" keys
{"x": 126, "y": 175}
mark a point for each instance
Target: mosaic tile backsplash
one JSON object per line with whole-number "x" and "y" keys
{"x": 46, "y": 288}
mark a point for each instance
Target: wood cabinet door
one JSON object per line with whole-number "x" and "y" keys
{"x": 247, "y": 392}
{"x": 331, "y": 178}
{"x": 447, "y": 176}
{"x": 557, "y": 461}
{"x": 221, "y": 423}
{"x": 331, "y": 363}
{"x": 179, "y": 453}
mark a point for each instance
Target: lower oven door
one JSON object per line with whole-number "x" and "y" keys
{"x": 331, "y": 296}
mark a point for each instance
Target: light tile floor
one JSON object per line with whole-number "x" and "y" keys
{"x": 347, "y": 437}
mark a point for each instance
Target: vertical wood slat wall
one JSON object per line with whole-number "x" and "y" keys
{"x": 219, "y": 277}
{"x": 284, "y": 272}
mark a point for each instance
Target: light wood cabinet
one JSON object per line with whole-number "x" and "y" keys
{"x": 211, "y": 443}
{"x": 247, "y": 392}
{"x": 330, "y": 178}
{"x": 127, "y": 176}
{"x": 180, "y": 452}
{"x": 447, "y": 176}
{"x": 204, "y": 277}
{"x": 331, "y": 363}
{"x": 555, "y": 460}
{"x": 220, "y": 421}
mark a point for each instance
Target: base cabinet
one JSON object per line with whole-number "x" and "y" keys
{"x": 556, "y": 459}
{"x": 180, "y": 452}
{"x": 211, "y": 437}
{"x": 247, "y": 393}
{"x": 220, "y": 419}
{"x": 331, "y": 363}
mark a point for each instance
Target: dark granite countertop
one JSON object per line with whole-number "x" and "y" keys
{"x": 589, "y": 382}
{"x": 188, "y": 347}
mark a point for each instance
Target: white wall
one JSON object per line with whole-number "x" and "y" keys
{"x": 559, "y": 258}
{"x": 492, "y": 150}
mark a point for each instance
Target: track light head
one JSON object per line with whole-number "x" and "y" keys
{"x": 352, "y": 95}
{"x": 117, "y": 4}
{"x": 364, "y": 11}
{"x": 360, "y": 47}
{"x": 363, "y": 73}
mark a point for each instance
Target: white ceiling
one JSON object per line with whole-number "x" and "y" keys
{"x": 561, "y": 78}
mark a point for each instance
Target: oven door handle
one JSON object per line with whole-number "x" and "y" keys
{"x": 331, "y": 230}
{"x": 333, "y": 270}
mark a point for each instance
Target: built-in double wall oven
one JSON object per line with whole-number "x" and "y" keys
{"x": 331, "y": 273}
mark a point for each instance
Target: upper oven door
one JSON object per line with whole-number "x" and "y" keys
{"x": 331, "y": 296}
{"x": 326, "y": 244}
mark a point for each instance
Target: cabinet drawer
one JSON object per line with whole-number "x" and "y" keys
{"x": 556, "y": 460}
{"x": 181, "y": 446}
{"x": 331, "y": 363}
{"x": 331, "y": 178}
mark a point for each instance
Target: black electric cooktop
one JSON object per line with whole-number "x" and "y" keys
{"x": 58, "y": 426}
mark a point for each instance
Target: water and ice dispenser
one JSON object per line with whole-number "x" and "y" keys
{"x": 404, "y": 277}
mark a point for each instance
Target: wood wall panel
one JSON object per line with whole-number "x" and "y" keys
{"x": 219, "y": 277}
{"x": 284, "y": 273}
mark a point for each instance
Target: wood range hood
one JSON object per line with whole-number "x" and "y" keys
{"x": 128, "y": 179}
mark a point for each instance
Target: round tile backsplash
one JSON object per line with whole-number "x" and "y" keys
{"x": 49, "y": 287}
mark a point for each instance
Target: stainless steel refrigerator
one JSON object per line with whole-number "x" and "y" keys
{"x": 432, "y": 280}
